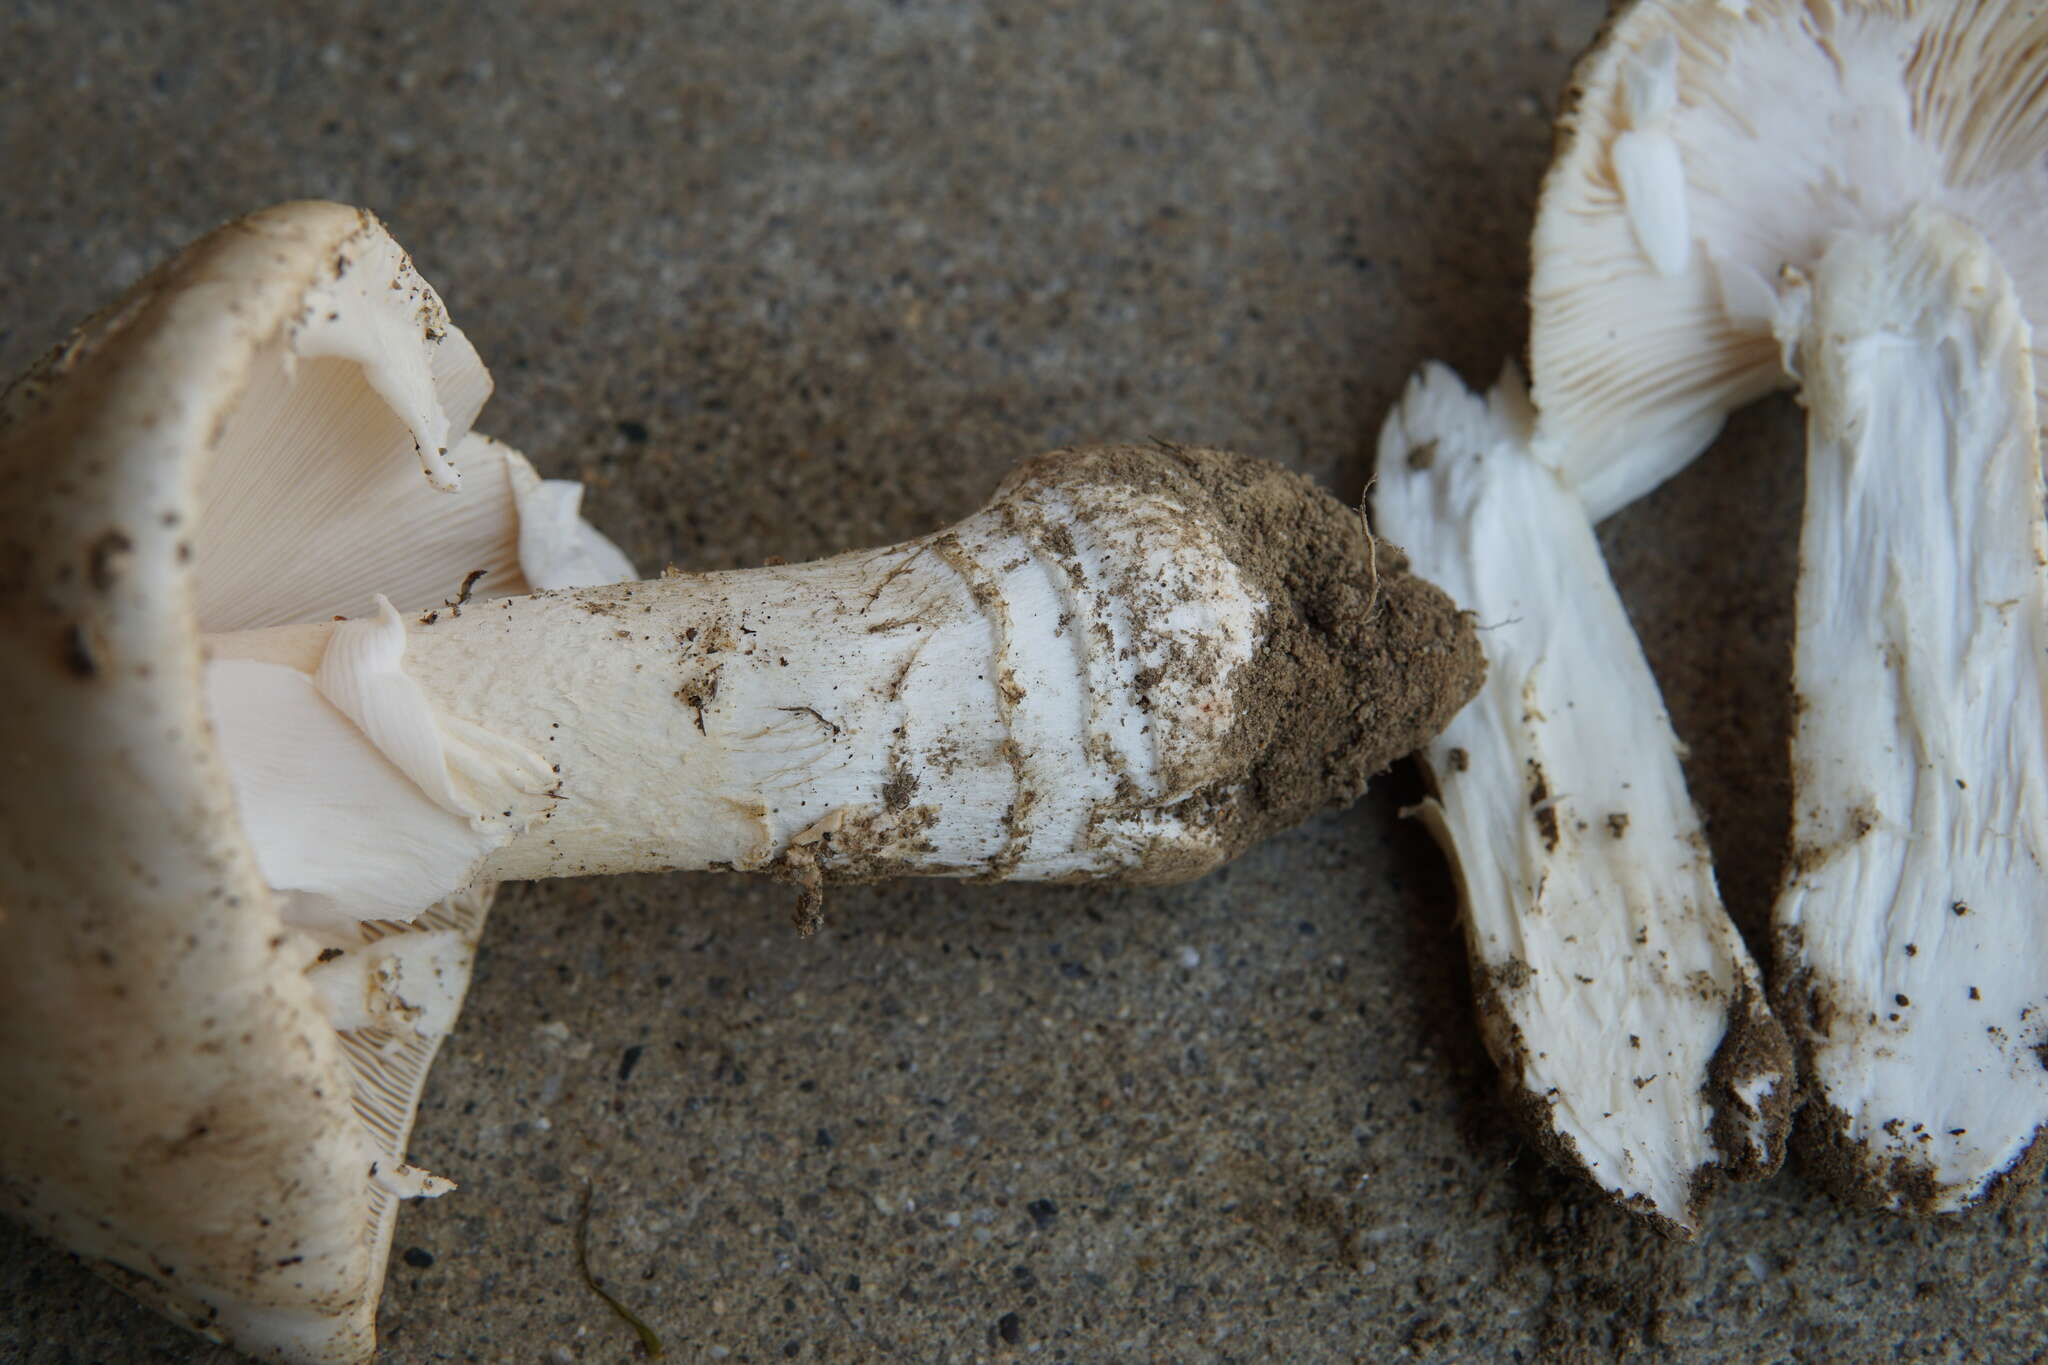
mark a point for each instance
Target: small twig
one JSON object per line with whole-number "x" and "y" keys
{"x": 650, "y": 1344}
{"x": 812, "y": 712}
{"x": 1372, "y": 552}
{"x": 462, "y": 594}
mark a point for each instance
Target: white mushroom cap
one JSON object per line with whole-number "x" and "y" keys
{"x": 254, "y": 435}
{"x": 1705, "y": 146}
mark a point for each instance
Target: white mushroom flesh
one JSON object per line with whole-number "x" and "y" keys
{"x": 261, "y": 437}
{"x": 1617, "y": 997}
{"x": 1916, "y": 915}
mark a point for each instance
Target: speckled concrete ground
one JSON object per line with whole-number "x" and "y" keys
{"x": 786, "y": 278}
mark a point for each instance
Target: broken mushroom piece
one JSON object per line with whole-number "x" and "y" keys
{"x": 1912, "y": 921}
{"x": 1626, "y": 1016}
{"x": 1676, "y": 200}
{"x": 229, "y": 851}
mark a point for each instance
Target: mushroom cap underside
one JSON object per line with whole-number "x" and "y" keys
{"x": 1705, "y": 146}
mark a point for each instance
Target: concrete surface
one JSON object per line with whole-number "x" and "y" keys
{"x": 785, "y": 278}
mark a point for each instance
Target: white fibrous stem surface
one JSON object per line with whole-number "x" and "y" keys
{"x": 1614, "y": 992}
{"x": 1914, "y": 923}
{"x": 1043, "y": 691}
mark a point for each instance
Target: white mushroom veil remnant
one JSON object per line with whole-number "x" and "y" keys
{"x": 1626, "y": 1016}
{"x": 301, "y": 666}
{"x": 1883, "y": 166}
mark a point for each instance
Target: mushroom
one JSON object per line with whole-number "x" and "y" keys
{"x": 1884, "y": 164}
{"x": 1625, "y": 1014}
{"x": 248, "y": 846}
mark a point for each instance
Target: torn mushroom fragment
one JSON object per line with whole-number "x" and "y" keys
{"x": 1899, "y": 110}
{"x": 1912, "y": 922}
{"x": 1109, "y": 671}
{"x": 1627, "y": 1017}
{"x": 243, "y": 892}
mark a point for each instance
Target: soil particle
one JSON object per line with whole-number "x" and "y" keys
{"x": 1754, "y": 1045}
{"x": 1541, "y": 806}
{"x": 898, "y": 790}
{"x": 1613, "y": 1279}
{"x": 109, "y": 558}
{"x": 799, "y": 867}
{"x": 77, "y": 653}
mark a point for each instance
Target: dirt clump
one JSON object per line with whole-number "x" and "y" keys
{"x": 1361, "y": 661}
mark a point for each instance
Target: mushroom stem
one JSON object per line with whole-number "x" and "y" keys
{"x": 1910, "y": 927}
{"x": 1133, "y": 663}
